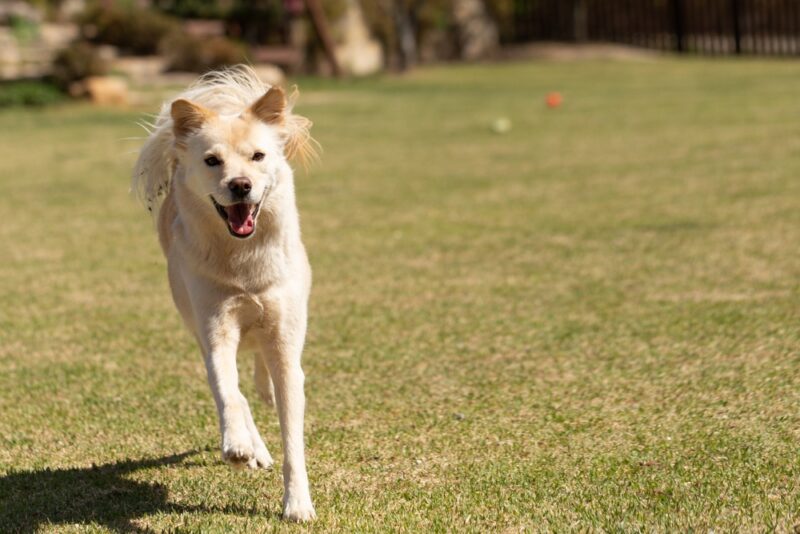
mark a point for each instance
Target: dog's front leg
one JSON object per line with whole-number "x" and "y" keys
{"x": 220, "y": 341}
{"x": 284, "y": 346}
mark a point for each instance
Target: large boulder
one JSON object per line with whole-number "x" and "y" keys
{"x": 102, "y": 90}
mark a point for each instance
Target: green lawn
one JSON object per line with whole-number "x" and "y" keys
{"x": 588, "y": 323}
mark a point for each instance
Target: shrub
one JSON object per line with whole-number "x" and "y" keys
{"x": 251, "y": 21}
{"x": 24, "y": 29}
{"x": 134, "y": 31}
{"x": 202, "y": 9}
{"x": 186, "y": 53}
{"x": 257, "y": 22}
{"x": 77, "y": 62}
{"x": 29, "y": 94}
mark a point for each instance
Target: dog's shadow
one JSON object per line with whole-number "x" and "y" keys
{"x": 98, "y": 494}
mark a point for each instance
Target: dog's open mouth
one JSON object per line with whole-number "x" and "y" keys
{"x": 240, "y": 218}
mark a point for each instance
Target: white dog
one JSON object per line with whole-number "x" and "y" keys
{"x": 215, "y": 176}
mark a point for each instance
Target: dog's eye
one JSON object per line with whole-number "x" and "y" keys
{"x": 258, "y": 156}
{"x": 212, "y": 161}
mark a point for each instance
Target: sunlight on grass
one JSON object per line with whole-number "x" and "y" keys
{"x": 589, "y": 322}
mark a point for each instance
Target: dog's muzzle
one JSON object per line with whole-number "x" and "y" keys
{"x": 239, "y": 217}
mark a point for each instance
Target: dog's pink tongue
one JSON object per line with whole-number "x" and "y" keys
{"x": 240, "y": 218}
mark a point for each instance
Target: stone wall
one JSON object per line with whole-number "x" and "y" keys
{"x": 32, "y": 58}
{"x": 27, "y": 43}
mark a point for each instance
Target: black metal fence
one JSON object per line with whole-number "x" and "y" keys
{"x": 767, "y": 27}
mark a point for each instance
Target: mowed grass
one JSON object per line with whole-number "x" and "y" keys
{"x": 589, "y": 323}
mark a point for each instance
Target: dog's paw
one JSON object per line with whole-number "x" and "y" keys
{"x": 298, "y": 510}
{"x": 238, "y": 451}
{"x": 261, "y": 458}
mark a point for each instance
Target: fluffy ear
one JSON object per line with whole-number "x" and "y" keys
{"x": 271, "y": 106}
{"x": 187, "y": 117}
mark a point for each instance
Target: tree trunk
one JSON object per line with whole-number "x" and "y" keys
{"x": 321, "y": 26}
{"x": 404, "y": 24}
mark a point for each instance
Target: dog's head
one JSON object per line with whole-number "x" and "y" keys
{"x": 232, "y": 163}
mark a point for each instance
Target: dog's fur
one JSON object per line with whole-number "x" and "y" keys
{"x": 237, "y": 276}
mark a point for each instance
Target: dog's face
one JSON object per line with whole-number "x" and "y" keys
{"x": 231, "y": 163}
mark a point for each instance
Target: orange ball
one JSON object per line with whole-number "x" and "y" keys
{"x": 554, "y": 100}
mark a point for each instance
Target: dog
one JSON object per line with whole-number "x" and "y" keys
{"x": 214, "y": 172}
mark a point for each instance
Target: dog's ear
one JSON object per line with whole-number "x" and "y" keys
{"x": 271, "y": 106}
{"x": 187, "y": 117}
{"x": 275, "y": 109}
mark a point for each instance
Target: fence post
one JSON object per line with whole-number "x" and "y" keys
{"x": 677, "y": 20}
{"x": 737, "y": 25}
{"x": 580, "y": 30}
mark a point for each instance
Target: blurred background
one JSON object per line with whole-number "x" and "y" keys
{"x": 97, "y": 48}
{"x": 556, "y": 272}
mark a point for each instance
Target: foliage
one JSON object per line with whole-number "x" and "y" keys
{"x": 257, "y": 22}
{"x": 77, "y": 62}
{"x": 135, "y": 31}
{"x": 253, "y": 21}
{"x": 187, "y": 53}
{"x": 24, "y": 29}
{"x": 502, "y": 11}
{"x": 29, "y": 94}
{"x": 194, "y": 8}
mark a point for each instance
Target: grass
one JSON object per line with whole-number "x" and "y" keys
{"x": 589, "y": 323}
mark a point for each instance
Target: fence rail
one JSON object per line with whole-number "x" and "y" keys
{"x": 764, "y": 27}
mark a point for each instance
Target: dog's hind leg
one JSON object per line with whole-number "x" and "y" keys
{"x": 262, "y": 457}
{"x": 263, "y": 381}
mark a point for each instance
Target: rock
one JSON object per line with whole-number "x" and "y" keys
{"x": 107, "y": 53}
{"x": 141, "y": 70}
{"x": 149, "y": 71}
{"x": 270, "y": 74}
{"x": 33, "y": 58}
{"x": 357, "y": 52}
{"x": 69, "y": 9}
{"x": 19, "y": 10}
{"x": 477, "y": 33}
{"x": 106, "y": 90}
{"x": 57, "y": 36}
{"x": 10, "y": 55}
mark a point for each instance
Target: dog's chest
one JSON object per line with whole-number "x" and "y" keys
{"x": 251, "y": 312}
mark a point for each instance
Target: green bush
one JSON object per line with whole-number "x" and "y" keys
{"x": 257, "y": 21}
{"x": 502, "y": 11}
{"x": 252, "y": 21}
{"x": 29, "y": 94}
{"x": 134, "y": 31}
{"x": 199, "y": 9}
{"x": 23, "y": 29}
{"x": 77, "y": 62}
{"x": 186, "y": 53}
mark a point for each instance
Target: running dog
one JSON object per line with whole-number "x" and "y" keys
{"x": 215, "y": 175}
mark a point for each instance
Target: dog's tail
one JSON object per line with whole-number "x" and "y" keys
{"x": 226, "y": 92}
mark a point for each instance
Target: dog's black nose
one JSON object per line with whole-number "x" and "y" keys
{"x": 240, "y": 187}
